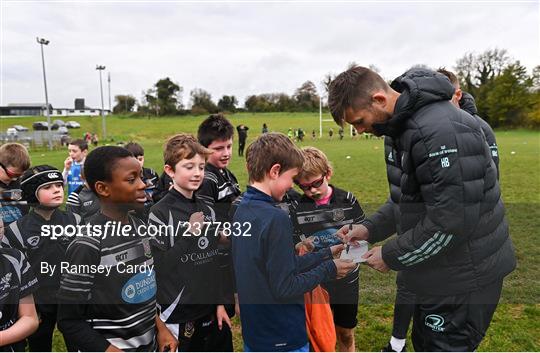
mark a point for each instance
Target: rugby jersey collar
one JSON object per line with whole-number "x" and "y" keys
{"x": 179, "y": 195}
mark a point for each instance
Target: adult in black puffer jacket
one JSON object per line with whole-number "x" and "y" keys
{"x": 468, "y": 104}
{"x": 452, "y": 246}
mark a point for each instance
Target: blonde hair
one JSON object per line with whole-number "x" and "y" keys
{"x": 315, "y": 163}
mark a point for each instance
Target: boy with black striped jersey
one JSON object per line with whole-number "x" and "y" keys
{"x": 83, "y": 201}
{"x": 14, "y": 160}
{"x": 220, "y": 188}
{"x": 186, "y": 253}
{"x": 149, "y": 176}
{"x": 43, "y": 189}
{"x": 18, "y": 317}
{"x": 107, "y": 293}
{"x": 317, "y": 216}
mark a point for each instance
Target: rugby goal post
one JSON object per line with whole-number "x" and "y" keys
{"x": 321, "y": 119}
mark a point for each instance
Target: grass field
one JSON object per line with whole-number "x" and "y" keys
{"x": 515, "y": 326}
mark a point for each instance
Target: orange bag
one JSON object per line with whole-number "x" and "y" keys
{"x": 319, "y": 318}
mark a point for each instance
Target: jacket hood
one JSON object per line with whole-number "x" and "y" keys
{"x": 418, "y": 88}
{"x": 468, "y": 103}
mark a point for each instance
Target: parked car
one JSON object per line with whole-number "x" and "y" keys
{"x": 11, "y": 131}
{"x": 20, "y": 128}
{"x": 63, "y": 130}
{"x": 59, "y": 122}
{"x": 42, "y": 125}
{"x": 73, "y": 125}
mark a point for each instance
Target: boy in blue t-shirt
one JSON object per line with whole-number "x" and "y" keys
{"x": 271, "y": 280}
{"x": 73, "y": 164}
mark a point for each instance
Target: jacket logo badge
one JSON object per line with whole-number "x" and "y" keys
{"x": 434, "y": 322}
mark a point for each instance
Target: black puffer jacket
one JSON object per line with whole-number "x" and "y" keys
{"x": 468, "y": 104}
{"x": 445, "y": 202}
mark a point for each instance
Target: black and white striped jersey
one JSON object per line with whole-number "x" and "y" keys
{"x": 322, "y": 222}
{"x": 187, "y": 266}
{"x": 32, "y": 234}
{"x": 17, "y": 280}
{"x": 83, "y": 202}
{"x": 119, "y": 305}
{"x": 219, "y": 189}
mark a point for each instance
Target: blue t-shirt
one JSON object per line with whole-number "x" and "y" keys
{"x": 74, "y": 179}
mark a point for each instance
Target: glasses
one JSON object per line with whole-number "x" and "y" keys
{"x": 9, "y": 173}
{"x": 315, "y": 184}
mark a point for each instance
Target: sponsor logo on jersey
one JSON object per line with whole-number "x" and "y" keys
{"x": 139, "y": 288}
{"x": 338, "y": 214}
{"x": 33, "y": 241}
{"x": 5, "y": 281}
{"x": 203, "y": 243}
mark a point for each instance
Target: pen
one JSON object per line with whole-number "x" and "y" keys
{"x": 348, "y": 243}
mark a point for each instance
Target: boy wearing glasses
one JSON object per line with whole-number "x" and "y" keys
{"x": 317, "y": 216}
{"x": 14, "y": 160}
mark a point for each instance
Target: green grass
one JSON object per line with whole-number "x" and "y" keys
{"x": 515, "y": 325}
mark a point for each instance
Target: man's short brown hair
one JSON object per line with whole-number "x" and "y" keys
{"x": 451, "y": 76}
{"x": 315, "y": 163}
{"x": 269, "y": 149}
{"x": 14, "y": 155}
{"x": 353, "y": 89}
{"x": 183, "y": 146}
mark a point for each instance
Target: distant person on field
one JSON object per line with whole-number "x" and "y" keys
{"x": 264, "y": 128}
{"x": 73, "y": 164}
{"x": 242, "y": 137}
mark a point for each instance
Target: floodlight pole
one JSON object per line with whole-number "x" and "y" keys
{"x": 109, "y": 82}
{"x": 42, "y": 42}
{"x": 320, "y": 116}
{"x": 104, "y": 127}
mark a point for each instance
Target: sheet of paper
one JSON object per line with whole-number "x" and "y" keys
{"x": 356, "y": 251}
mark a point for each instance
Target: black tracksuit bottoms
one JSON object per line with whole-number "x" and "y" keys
{"x": 454, "y": 323}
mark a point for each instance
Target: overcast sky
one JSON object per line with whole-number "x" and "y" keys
{"x": 241, "y": 48}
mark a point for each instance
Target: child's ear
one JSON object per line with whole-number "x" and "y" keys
{"x": 329, "y": 174}
{"x": 169, "y": 170}
{"x": 102, "y": 189}
{"x": 275, "y": 171}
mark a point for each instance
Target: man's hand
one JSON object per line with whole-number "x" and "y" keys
{"x": 343, "y": 267}
{"x": 67, "y": 163}
{"x": 358, "y": 232}
{"x": 375, "y": 260}
{"x": 165, "y": 339}
{"x": 336, "y": 250}
{"x": 221, "y": 315}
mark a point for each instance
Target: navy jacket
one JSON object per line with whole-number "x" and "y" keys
{"x": 271, "y": 280}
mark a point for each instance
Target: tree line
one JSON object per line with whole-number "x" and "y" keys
{"x": 506, "y": 94}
